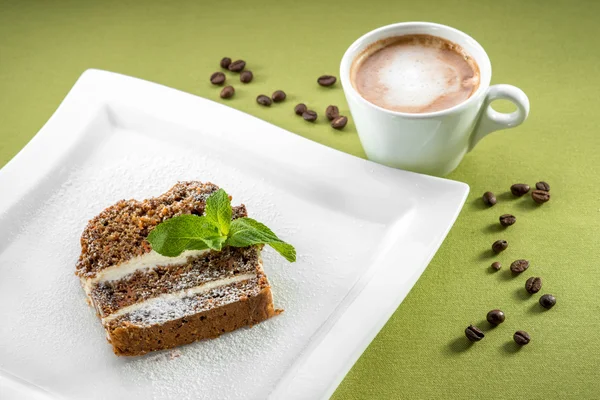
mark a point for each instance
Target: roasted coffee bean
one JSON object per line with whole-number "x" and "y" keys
{"x": 300, "y": 108}
{"x": 547, "y": 301}
{"x": 332, "y": 112}
{"x": 237, "y": 66}
{"x": 309, "y": 115}
{"x": 521, "y": 338}
{"x": 533, "y": 284}
{"x": 499, "y": 246}
{"x": 540, "y": 196}
{"x": 246, "y": 76}
{"x": 227, "y": 92}
{"x": 474, "y": 334}
{"x": 489, "y": 199}
{"x": 225, "y": 62}
{"x": 519, "y": 189}
{"x": 217, "y": 78}
{"x": 507, "y": 220}
{"x": 339, "y": 123}
{"x": 496, "y": 265}
{"x": 264, "y": 100}
{"x": 541, "y": 185}
{"x": 519, "y": 266}
{"x": 326, "y": 80}
{"x": 495, "y": 317}
{"x": 278, "y": 96}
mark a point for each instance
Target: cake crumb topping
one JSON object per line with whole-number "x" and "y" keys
{"x": 119, "y": 232}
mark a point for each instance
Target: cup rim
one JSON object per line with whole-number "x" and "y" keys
{"x": 350, "y": 54}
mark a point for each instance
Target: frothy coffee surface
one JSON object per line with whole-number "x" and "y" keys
{"x": 415, "y": 74}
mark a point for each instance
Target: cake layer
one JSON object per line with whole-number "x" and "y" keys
{"x": 131, "y": 339}
{"x": 112, "y": 296}
{"x": 118, "y": 234}
{"x": 141, "y": 263}
{"x": 162, "y": 308}
{"x": 181, "y": 304}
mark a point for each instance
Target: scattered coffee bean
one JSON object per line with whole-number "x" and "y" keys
{"x": 309, "y": 115}
{"x": 474, "y": 334}
{"x": 246, "y": 76}
{"x": 300, "y": 109}
{"x": 237, "y": 66}
{"x": 547, "y": 301}
{"x": 225, "y": 62}
{"x": 533, "y": 284}
{"x": 326, "y": 80}
{"x": 541, "y": 185}
{"x": 332, "y": 112}
{"x": 540, "y": 196}
{"x": 339, "y": 123}
{"x": 507, "y": 220}
{"x": 496, "y": 265}
{"x": 521, "y": 338}
{"x": 519, "y": 266}
{"x": 499, "y": 246}
{"x": 263, "y": 100}
{"x": 217, "y": 78}
{"x": 495, "y": 317}
{"x": 278, "y": 96}
{"x": 519, "y": 189}
{"x": 227, "y": 92}
{"x": 489, "y": 199}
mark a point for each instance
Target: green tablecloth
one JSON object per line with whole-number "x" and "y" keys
{"x": 548, "y": 48}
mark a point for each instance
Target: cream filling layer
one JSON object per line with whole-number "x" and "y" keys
{"x": 144, "y": 262}
{"x": 150, "y": 303}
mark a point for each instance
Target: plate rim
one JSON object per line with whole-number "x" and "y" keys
{"x": 11, "y": 177}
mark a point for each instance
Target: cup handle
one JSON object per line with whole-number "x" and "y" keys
{"x": 491, "y": 120}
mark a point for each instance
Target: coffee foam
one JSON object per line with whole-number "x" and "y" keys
{"x": 415, "y": 74}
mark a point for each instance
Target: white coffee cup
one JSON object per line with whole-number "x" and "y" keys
{"x": 432, "y": 143}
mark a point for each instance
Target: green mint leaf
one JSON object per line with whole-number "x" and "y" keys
{"x": 218, "y": 211}
{"x": 213, "y": 242}
{"x": 185, "y": 232}
{"x": 213, "y": 231}
{"x": 285, "y": 249}
{"x": 247, "y": 231}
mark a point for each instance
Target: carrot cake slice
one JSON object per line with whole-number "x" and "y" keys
{"x": 147, "y": 301}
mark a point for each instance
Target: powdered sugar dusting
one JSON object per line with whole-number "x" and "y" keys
{"x": 56, "y": 340}
{"x": 160, "y": 310}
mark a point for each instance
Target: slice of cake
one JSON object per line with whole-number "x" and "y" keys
{"x": 148, "y": 301}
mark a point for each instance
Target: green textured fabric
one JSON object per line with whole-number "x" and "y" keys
{"x": 548, "y": 48}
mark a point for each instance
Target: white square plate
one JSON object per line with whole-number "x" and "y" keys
{"x": 364, "y": 233}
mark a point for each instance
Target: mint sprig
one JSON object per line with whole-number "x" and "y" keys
{"x": 247, "y": 231}
{"x": 214, "y": 230}
{"x": 218, "y": 211}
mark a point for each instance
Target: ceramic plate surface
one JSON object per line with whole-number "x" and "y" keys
{"x": 364, "y": 233}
